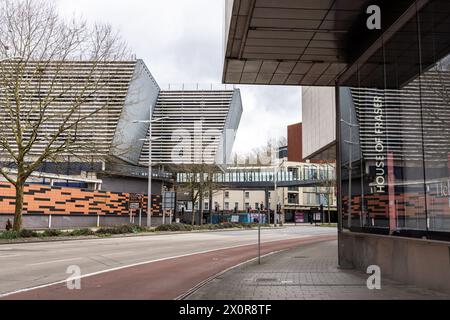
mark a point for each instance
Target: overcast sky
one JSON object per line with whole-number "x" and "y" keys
{"x": 182, "y": 41}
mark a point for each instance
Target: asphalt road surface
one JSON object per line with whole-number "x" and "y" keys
{"x": 145, "y": 267}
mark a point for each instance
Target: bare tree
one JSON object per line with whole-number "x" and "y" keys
{"x": 199, "y": 181}
{"x": 329, "y": 183}
{"x": 261, "y": 156}
{"x": 50, "y": 73}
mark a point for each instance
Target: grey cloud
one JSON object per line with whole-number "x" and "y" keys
{"x": 182, "y": 41}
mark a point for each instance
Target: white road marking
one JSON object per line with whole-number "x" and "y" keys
{"x": 53, "y": 261}
{"x": 133, "y": 265}
{"x": 8, "y": 256}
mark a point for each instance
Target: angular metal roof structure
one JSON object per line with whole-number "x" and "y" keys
{"x": 320, "y": 42}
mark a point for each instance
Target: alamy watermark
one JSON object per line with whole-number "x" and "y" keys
{"x": 211, "y": 146}
{"x": 74, "y": 281}
{"x": 374, "y": 20}
{"x": 374, "y": 281}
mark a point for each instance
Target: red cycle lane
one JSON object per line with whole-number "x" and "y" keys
{"x": 160, "y": 280}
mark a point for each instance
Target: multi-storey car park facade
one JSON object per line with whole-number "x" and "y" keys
{"x": 109, "y": 158}
{"x": 117, "y": 136}
{"x": 391, "y": 108}
{"x": 200, "y": 121}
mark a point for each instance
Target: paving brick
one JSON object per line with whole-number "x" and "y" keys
{"x": 308, "y": 272}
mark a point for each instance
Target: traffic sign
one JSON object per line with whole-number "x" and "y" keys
{"x": 136, "y": 201}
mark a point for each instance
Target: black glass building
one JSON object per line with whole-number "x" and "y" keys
{"x": 389, "y": 63}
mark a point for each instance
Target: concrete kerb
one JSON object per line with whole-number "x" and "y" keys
{"x": 118, "y": 236}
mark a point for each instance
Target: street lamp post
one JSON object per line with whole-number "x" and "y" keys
{"x": 150, "y": 173}
{"x": 276, "y": 167}
{"x": 275, "y": 196}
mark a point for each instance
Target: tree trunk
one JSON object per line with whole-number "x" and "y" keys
{"x": 201, "y": 196}
{"x": 201, "y": 210}
{"x": 20, "y": 186}
{"x": 210, "y": 200}
{"x": 193, "y": 213}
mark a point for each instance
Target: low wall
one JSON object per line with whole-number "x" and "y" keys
{"x": 41, "y": 222}
{"x": 71, "y": 207}
{"x": 423, "y": 263}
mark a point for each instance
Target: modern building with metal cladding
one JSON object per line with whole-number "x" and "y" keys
{"x": 109, "y": 157}
{"x": 206, "y": 119}
{"x": 387, "y": 64}
{"x": 201, "y": 124}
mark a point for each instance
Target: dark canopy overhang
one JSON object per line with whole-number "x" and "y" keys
{"x": 321, "y": 42}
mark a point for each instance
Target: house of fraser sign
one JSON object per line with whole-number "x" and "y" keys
{"x": 379, "y": 145}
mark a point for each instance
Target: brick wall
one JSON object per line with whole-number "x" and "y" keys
{"x": 40, "y": 199}
{"x": 295, "y": 149}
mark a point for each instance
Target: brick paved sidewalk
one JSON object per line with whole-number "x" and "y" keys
{"x": 305, "y": 273}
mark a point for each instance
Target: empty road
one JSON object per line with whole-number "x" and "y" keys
{"x": 144, "y": 267}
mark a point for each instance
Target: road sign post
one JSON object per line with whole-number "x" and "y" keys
{"x": 136, "y": 203}
{"x": 168, "y": 204}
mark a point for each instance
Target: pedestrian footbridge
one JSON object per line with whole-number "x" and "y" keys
{"x": 267, "y": 178}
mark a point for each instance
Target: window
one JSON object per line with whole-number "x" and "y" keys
{"x": 293, "y": 198}
{"x": 396, "y": 177}
{"x": 227, "y": 194}
{"x": 206, "y": 206}
{"x": 310, "y": 199}
{"x": 247, "y": 195}
{"x": 227, "y": 206}
{"x": 247, "y": 206}
{"x": 294, "y": 172}
{"x": 256, "y": 206}
{"x": 236, "y": 205}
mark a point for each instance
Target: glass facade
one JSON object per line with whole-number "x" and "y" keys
{"x": 395, "y": 131}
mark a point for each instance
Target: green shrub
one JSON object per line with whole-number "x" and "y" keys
{"x": 138, "y": 229}
{"x": 125, "y": 229}
{"x": 230, "y": 225}
{"x": 9, "y": 235}
{"x": 210, "y": 227}
{"x": 250, "y": 225}
{"x": 24, "y": 233}
{"x": 52, "y": 233}
{"x": 107, "y": 231}
{"x": 81, "y": 232}
{"x": 175, "y": 227}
